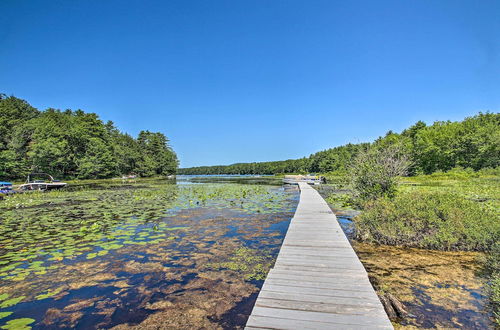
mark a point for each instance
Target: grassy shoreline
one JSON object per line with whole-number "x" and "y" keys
{"x": 456, "y": 210}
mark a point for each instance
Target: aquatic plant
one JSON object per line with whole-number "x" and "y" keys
{"x": 250, "y": 262}
{"x": 440, "y": 289}
{"x": 53, "y": 244}
{"x": 18, "y": 324}
{"x": 11, "y": 302}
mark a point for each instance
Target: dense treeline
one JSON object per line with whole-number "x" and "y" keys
{"x": 283, "y": 166}
{"x": 472, "y": 143}
{"x": 75, "y": 144}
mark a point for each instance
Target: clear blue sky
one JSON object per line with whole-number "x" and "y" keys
{"x": 239, "y": 81}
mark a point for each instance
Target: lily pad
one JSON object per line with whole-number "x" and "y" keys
{"x": 19, "y": 324}
{"x": 11, "y": 302}
{"x": 4, "y": 314}
{"x": 50, "y": 293}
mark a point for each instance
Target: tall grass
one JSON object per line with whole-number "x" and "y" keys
{"x": 434, "y": 220}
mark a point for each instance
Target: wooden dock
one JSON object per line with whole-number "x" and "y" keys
{"x": 318, "y": 281}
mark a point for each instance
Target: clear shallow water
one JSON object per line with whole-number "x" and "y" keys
{"x": 150, "y": 253}
{"x": 439, "y": 289}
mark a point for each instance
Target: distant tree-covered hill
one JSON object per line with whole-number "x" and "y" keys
{"x": 75, "y": 144}
{"x": 471, "y": 143}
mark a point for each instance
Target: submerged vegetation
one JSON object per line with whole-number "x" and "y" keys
{"x": 439, "y": 289}
{"x": 255, "y": 266}
{"x": 91, "y": 255}
{"x": 60, "y": 225}
{"x": 75, "y": 144}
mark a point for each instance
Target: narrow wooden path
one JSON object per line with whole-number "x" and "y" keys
{"x": 318, "y": 281}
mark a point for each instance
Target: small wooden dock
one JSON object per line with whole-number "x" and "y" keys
{"x": 318, "y": 281}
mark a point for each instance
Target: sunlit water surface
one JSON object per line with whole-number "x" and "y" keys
{"x": 147, "y": 253}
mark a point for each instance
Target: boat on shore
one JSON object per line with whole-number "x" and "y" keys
{"x": 311, "y": 179}
{"x": 34, "y": 183}
{"x": 6, "y": 188}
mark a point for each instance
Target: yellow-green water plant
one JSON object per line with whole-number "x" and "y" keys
{"x": 49, "y": 294}
{"x": 11, "y": 302}
{"x": 18, "y": 324}
{"x": 252, "y": 263}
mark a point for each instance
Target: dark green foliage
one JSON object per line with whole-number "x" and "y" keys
{"x": 75, "y": 144}
{"x": 13, "y": 112}
{"x": 284, "y": 166}
{"x": 472, "y": 143}
{"x": 337, "y": 159}
{"x": 157, "y": 157}
{"x": 435, "y": 220}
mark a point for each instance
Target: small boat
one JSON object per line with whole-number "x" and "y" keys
{"x": 6, "y": 188}
{"x": 129, "y": 178}
{"x": 48, "y": 184}
{"x": 311, "y": 179}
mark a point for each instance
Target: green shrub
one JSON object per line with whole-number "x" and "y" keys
{"x": 375, "y": 172}
{"x": 493, "y": 265}
{"x": 495, "y": 296}
{"x": 435, "y": 220}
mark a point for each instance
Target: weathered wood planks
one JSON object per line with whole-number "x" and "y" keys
{"x": 318, "y": 281}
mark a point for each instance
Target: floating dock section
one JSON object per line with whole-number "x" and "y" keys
{"x": 318, "y": 281}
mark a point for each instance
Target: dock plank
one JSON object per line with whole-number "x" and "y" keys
{"x": 332, "y": 318}
{"x": 317, "y": 281}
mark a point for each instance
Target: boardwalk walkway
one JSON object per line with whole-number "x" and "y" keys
{"x": 318, "y": 281}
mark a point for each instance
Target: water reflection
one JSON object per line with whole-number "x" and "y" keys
{"x": 150, "y": 255}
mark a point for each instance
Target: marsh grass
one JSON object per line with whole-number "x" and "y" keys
{"x": 455, "y": 210}
{"x": 434, "y": 220}
{"x": 482, "y": 186}
{"x": 493, "y": 268}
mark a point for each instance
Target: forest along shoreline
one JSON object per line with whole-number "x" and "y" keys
{"x": 426, "y": 282}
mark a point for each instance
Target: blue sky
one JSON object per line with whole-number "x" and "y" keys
{"x": 239, "y": 81}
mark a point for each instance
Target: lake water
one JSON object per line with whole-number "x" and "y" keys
{"x": 152, "y": 253}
